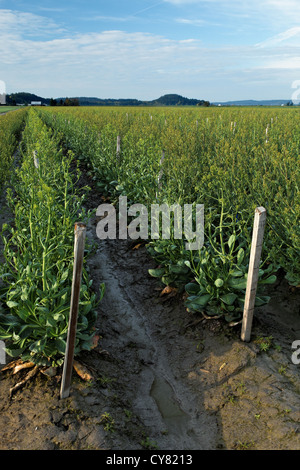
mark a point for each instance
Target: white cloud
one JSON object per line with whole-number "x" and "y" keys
{"x": 20, "y": 24}
{"x": 38, "y": 56}
{"x": 194, "y": 22}
{"x": 281, "y": 37}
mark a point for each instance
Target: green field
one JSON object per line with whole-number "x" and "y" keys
{"x": 229, "y": 160}
{"x": 5, "y": 109}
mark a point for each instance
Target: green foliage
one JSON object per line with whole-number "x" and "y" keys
{"x": 222, "y": 158}
{"x": 10, "y": 128}
{"x": 38, "y": 251}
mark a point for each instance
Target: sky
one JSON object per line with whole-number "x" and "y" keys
{"x": 217, "y": 50}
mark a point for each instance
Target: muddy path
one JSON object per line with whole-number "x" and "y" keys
{"x": 163, "y": 378}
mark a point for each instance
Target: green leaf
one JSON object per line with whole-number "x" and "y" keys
{"x": 12, "y": 304}
{"x": 262, "y": 300}
{"x": 14, "y": 352}
{"x": 87, "y": 308}
{"x": 64, "y": 276}
{"x": 167, "y": 280}
{"x": 293, "y": 278}
{"x": 237, "y": 283}
{"x": 237, "y": 273}
{"x": 192, "y": 288}
{"x": 51, "y": 322}
{"x": 199, "y": 300}
{"x": 158, "y": 272}
{"x": 229, "y": 299}
{"x": 9, "y": 320}
{"x": 231, "y": 240}
{"x": 38, "y": 346}
{"x": 269, "y": 280}
{"x": 240, "y": 256}
{"x": 176, "y": 269}
{"x": 102, "y": 291}
{"x": 60, "y": 345}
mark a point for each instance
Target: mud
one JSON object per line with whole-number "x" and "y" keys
{"x": 164, "y": 378}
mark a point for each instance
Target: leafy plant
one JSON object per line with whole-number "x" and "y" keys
{"x": 207, "y": 152}
{"x": 38, "y": 251}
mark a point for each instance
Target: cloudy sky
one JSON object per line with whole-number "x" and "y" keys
{"x": 217, "y": 50}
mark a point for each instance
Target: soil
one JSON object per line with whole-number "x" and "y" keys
{"x": 163, "y": 378}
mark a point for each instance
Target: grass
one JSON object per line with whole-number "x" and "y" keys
{"x": 5, "y": 109}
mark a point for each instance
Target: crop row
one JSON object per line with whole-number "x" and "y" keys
{"x": 229, "y": 160}
{"x": 10, "y": 128}
{"x": 38, "y": 250}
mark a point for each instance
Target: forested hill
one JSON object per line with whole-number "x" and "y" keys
{"x": 166, "y": 100}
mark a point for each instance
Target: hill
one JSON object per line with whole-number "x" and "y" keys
{"x": 253, "y": 103}
{"x": 166, "y": 100}
{"x": 24, "y": 98}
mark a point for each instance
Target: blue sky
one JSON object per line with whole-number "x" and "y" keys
{"x": 217, "y": 50}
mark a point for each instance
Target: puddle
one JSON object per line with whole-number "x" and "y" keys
{"x": 174, "y": 417}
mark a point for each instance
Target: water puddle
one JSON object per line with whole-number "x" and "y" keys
{"x": 174, "y": 417}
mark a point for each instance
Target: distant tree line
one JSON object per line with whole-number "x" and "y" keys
{"x": 66, "y": 102}
{"x": 166, "y": 100}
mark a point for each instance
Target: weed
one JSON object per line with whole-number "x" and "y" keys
{"x": 148, "y": 444}
{"x": 264, "y": 342}
{"x": 108, "y": 422}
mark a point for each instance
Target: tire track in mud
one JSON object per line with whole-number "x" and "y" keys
{"x": 199, "y": 387}
{"x": 128, "y": 321}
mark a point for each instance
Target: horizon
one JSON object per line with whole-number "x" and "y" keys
{"x": 215, "y": 50}
{"x": 133, "y": 98}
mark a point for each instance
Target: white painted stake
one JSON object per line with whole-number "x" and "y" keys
{"x": 80, "y": 234}
{"x": 255, "y": 254}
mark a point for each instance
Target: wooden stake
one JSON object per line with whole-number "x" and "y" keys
{"x": 2, "y": 353}
{"x": 255, "y": 254}
{"x": 79, "y": 243}
{"x": 118, "y": 147}
{"x": 36, "y": 160}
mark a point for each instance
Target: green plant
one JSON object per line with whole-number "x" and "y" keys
{"x": 128, "y": 414}
{"x": 264, "y": 342}
{"x": 149, "y": 444}
{"x": 282, "y": 370}
{"x": 216, "y": 162}
{"x": 38, "y": 251}
{"x": 221, "y": 267}
{"x": 11, "y": 125}
{"x": 108, "y": 422}
{"x": 244, "y": 445}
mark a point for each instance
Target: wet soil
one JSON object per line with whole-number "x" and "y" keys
{"x": 163, "y": 378}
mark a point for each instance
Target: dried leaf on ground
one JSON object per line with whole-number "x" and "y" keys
{"x": 168, "y": 290}
{"x": 95, "y": 341}
{"x": 49, "y": 371}
{"x": 20, "y": 384}
{"x": 11, "y": 365}
{"x": 24, "y": 365}
{"x": 82, "y": 371}
{"x": 136, "y": 247}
